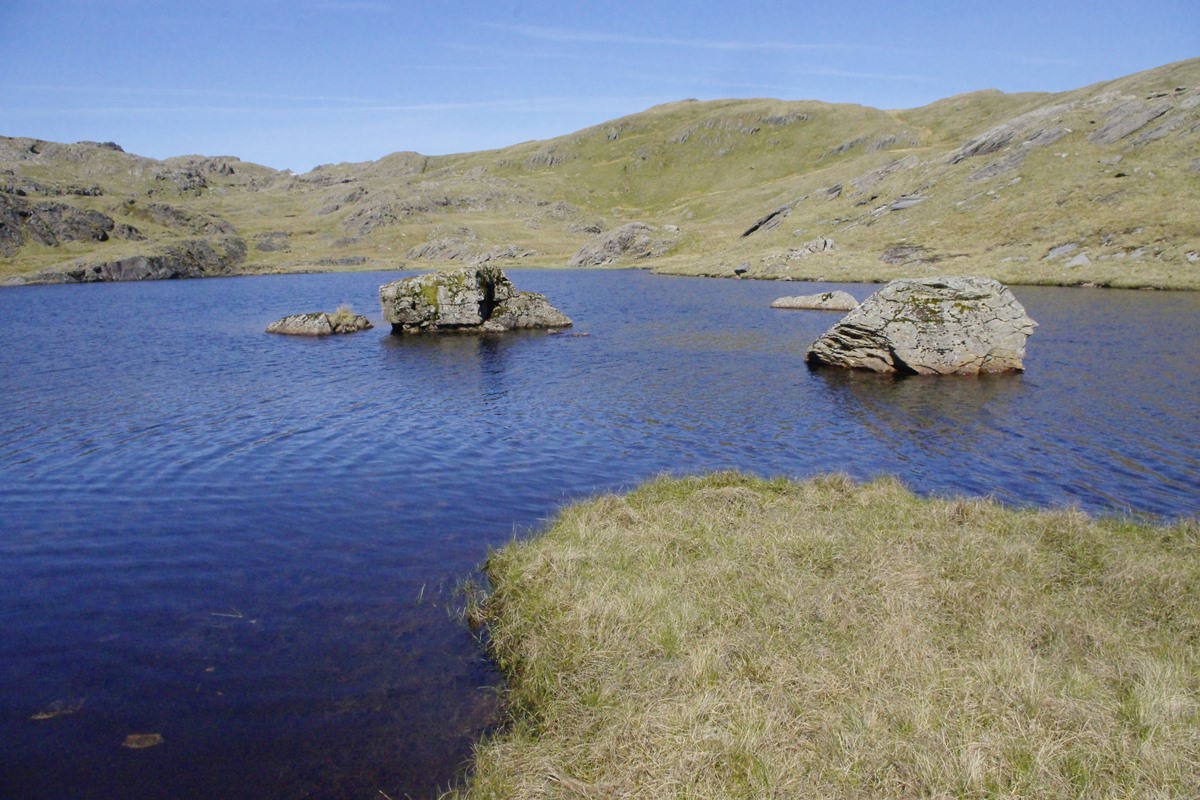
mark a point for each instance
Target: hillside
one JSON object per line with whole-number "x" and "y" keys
{"x": 1100, "y": 185}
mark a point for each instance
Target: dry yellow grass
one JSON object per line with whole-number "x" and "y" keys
{"x": 726, "y": 637}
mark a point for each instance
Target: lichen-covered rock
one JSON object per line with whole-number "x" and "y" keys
{"x": 933, "y": 326}
{"x": 320, "y": 323}
{"x": 525, "y": 310}
{"x": 825, "y": 301}
{"x": 475, "y": 299}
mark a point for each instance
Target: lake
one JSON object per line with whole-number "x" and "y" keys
{"x": 250, "y": 544}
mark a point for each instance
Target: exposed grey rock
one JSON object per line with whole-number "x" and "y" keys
{"x": 1000, "y": 166}
{"x": 825, "y": 301}
{"x": 197, "y": 258}
{"x": 48, "y": 223}
{"x": 905, "y": 202}
{"x": 1058, "y": 251}
{"x": 169, "y": 216}
{"x": 466, "y": 250}
{"x": 634, "y": 240}
{"x": 448, "y": 249}
{"x": 474, "y": 300}
{"x": 935, "y": 326}
{"x": 1035, "y": 128}
{"x": 1127, "y": 118}
{"x": 887, "y": 142}
{"x": 1080, "y": 260}
{"x": 812, "y": 246}
{"x": 769, "y": 221}
{"x": 868, "y": 180}
{"x": 320, "y": 323}
{"x": 188, "y": 181}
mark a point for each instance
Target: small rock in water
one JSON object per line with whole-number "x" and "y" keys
{"x": 59, "y": 708}
{"x": 825, "y": 301}
{"x": 140, "y": 741}
{"x": 320, "y": 323}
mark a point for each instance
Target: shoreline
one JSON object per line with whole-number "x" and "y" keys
{"x": 850, "y": 275}
{"x": 725, "y": 636}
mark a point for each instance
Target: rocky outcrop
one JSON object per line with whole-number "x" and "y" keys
{"x": 934, "y": 326}
{"x": 771, "y": 220}
{"x": 811, "y": 247}
{"x": 1129, "y": 117}
{"x": 320, "y": 323}
{"x": 825, "y": 301}
{"x": 1036, "y": 128}
{"x": 197, "y": 258}
{"x": 473, "y": 300}
{"x": 457, "y": 249}
{"x": 48, "y": 223}
{"x": 632, "y": 241}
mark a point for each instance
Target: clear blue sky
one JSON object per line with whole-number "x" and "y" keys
{"x": 296, "y": 83}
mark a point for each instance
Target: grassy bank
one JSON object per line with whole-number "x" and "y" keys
{"x": 731, "y": 637}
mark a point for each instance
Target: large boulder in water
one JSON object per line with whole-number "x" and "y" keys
{"x": 471, "y": 300}
{"x": 932, "y": 326}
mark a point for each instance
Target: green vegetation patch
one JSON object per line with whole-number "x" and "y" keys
{"x": 725, "y": 636}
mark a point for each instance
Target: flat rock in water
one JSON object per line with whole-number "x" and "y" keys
{"x": 934, "y": 326}
{"x": 825, "y": 301}
{"x": 471, "y": 300}
{"x": 320, "y": 323}
{"x": 140, "y": 741}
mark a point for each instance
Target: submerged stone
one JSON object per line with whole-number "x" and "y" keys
{"x": 934, "y": 326}
{"x": 471, "y": 300}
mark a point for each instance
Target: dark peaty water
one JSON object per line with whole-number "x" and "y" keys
{"x": 248, "y": 544}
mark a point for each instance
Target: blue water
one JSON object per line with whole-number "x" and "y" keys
{"x": 250, "y": 544}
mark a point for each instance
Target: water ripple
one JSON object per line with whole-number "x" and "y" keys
{"x": 249, "y": 541}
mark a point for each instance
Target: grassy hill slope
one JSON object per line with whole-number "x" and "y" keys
{"x": 1098, "y": 185}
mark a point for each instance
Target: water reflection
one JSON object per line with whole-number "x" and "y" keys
{"x": 936, "y": 416}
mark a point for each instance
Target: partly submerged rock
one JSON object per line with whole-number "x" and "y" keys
{"x": 472, "y": 300}
{"x": 933, "y": 326}
{"x": 825, "y": 301}
{"x": 320, "y": 323}
{"x": 140, "y": 741}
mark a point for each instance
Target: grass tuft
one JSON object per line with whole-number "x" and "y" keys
{"x": 725, "y": 636}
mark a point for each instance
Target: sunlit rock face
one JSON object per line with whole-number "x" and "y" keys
{"x": 471, "y": 300}
{"x": 934, "y": 326}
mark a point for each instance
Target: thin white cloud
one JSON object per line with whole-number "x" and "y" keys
{"x": 128, "y": 91}
{"x": 351, "y": 6}
{"x": 509, "y": 104}
{"x": 831, "y": 72}
{"x": 565, "y": 35}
